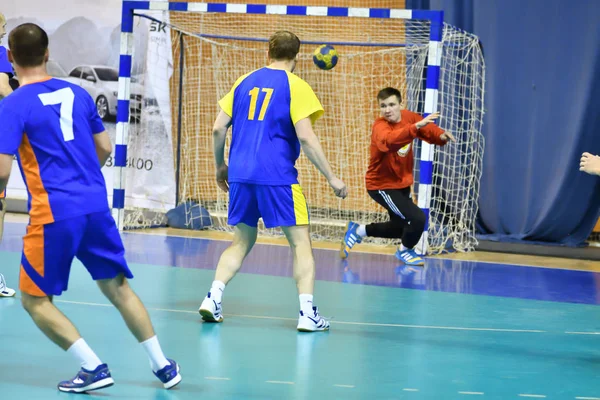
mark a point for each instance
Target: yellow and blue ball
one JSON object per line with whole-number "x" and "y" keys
{"x": 325, "y": 57}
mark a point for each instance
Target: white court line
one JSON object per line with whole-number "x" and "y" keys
{"x": 216, "y": 378}
{"x": 582, "y": 333}
{"x": 281, "y": 382}
{"x": 537, "y": 396}
{"x": 451, "y": 328}
{"x": 345, "y": 386}
{"x": 410, "y": 390}
{"x": 587, "y": 398}
{"x": 472, "y": 393}
{"x": 82, "y": 303}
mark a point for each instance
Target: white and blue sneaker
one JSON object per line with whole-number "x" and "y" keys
{"x": 313, "y": 322}
{"x": 350, "y": 239}
{"x": 5, "y": 291}
{"x": 210, "y": 310}
{"x": 169, "y": 375}
{"x": 85, "y": 380}
{"x": 409, "y": 257}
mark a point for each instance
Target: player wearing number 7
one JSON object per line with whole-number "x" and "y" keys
{"x": 271, "y": 112}
{"x": 55, "y": 131}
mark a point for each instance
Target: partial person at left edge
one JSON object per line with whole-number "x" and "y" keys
{"x": 8, "y": 83}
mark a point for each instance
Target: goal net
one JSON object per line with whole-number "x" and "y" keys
{"x": 208, "y": 51}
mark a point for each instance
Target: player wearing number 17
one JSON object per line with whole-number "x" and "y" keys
{"x": 61, "y": 144}
{"x": 271, "y": 112}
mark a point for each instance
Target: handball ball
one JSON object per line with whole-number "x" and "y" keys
{"x": 325, "y": 57}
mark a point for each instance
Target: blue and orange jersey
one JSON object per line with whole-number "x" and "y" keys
{"x": 264, "y": 106}
{"x": 50, "y": 125}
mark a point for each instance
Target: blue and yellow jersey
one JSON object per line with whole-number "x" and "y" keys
{"x": 264, "y": 106}
{"x": 5, "y": 66}
{"x": 49, "y": 125}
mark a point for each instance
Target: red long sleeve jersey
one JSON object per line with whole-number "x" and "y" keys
{"x": 391, "y": 160}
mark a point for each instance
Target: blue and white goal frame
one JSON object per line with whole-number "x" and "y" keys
{"x": 436, "y": 19}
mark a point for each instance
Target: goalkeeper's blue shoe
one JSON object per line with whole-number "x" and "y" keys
{"x": 350, "y": 239}
{"x": 409, "y": 257}
{"x": 86, "y": 381}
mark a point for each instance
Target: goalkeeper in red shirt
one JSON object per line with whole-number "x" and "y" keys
{"x": 390, "y": 175}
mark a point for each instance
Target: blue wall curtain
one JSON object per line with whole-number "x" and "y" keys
{"x": 542, "y": 106}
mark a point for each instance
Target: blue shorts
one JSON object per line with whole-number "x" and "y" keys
{"x": 277, "y": 205}
{"x": 49, "y": 250}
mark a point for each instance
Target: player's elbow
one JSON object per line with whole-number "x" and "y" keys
{"x": 382, "y": 146}
{"x": 219, "y": 131}
{"x": 103, "y": 146}
{"x": 104, "y": 153}
{"x": 221, "y": 125}
{"x": 305, "y": 132}
{"x": 104, "y": 149}
{"x": 305, "y": 140}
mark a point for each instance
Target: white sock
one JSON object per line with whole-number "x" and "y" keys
{"x": 306, "y": 303}
{"x": 361, "y": 230}
{"x": 86, "y": 356}
{"x": 216, "y": 291}
{"x": 155, "y": 354}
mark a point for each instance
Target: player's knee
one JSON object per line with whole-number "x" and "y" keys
{"x": 243, "y": 245}
{"x": 116, "y": 289}
{"x": 298, "y": 237}
{"x": 418, "y": 221}
{"x": 302, "y": 250}
{"x": 301, "y": 243}
{"x": 396, "y": 227}
{"x": 32, "y": 304}
{"x": 244, "y": 238}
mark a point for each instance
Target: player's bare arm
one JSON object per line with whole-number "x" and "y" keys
{"x": 590, "y": 164}
{"x": 220, "y": 127}
{"x": 313, "y": 150}
{"x": 5, "y": 88}
{"x": 103, "y": 147}
{"x": 5, "y": 167}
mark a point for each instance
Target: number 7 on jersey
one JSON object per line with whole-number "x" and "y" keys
{"x": 254, "y": 99}
{"x": 65, "y": 97}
